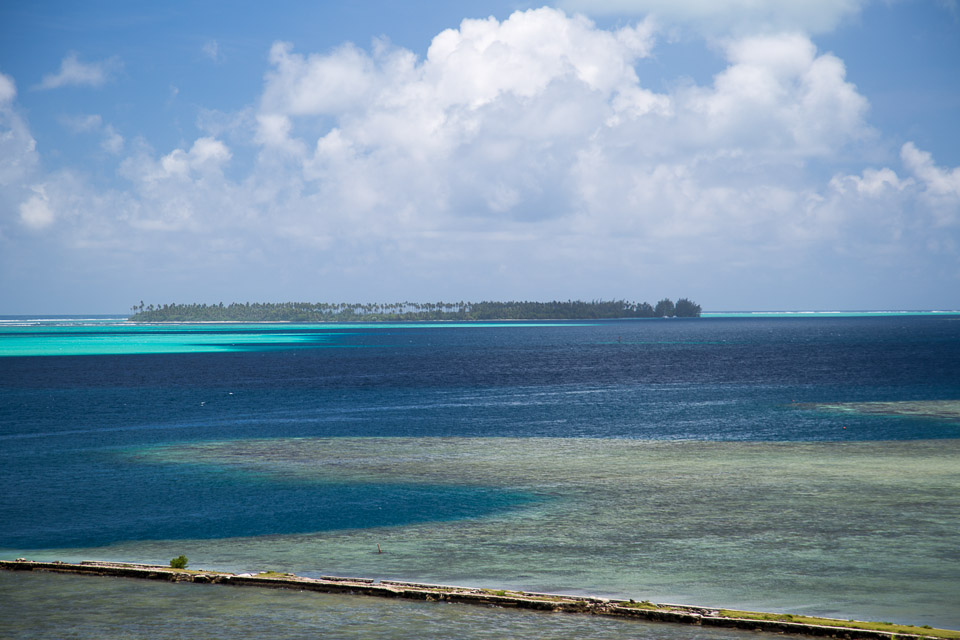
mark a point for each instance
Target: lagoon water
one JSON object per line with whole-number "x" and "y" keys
{"x": 737, "y": 461}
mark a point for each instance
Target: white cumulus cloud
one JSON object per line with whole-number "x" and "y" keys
{"x": 35, "y": 212}
{"x": 489, "y": 121}
{"x": 779, "y": 91}
{"x": 938, "y": 181}
{"x": 207, "y": 155}
{"x": 874, "y": 183}
{"x": 542, "y": 118}
{"x": 184, "y": 189}
{"x": 941, "y": 186}
{"x": 315, "y": 84}
{"x": 911, "y": 212}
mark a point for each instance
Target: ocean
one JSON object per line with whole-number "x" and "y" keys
{"x": 805, "y": 464}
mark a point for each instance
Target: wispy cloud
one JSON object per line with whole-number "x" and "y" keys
{"x": 82, "y": 123}
{"x": 75, "y": 73}
{"x": 211, "y": 49}
{"x": 112, "y": 141}
{"x": 93, "y": 123}
{"x": 726, "y": 17}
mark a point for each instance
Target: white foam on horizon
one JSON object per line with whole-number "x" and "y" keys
{"x": 832, "y": 313}
{"x": 30, "y": 321}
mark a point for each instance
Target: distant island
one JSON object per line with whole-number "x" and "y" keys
{"x": 412, "y": 311}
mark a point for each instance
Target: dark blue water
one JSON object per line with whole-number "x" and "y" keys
{"x": 65, "y": 421}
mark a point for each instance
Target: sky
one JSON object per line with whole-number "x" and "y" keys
{"x": 745, "y": 154}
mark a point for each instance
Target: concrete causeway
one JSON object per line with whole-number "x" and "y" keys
{"x": 682, "y": 614}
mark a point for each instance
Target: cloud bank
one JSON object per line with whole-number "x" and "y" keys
{"x": 522, "y": 157}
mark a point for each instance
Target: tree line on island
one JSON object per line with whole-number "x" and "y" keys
{"x": 412, "y": 311}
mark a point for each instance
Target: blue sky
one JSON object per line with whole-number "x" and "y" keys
{"x": 748, "y": 155}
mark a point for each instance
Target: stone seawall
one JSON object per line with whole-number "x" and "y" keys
{"x": 682, "y": 614}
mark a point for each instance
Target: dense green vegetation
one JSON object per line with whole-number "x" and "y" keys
{"x": 180, "y": 562}
{"x": 411, "y": 311}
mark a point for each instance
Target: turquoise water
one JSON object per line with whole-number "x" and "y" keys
{"x": 693, "y": 461}
{"x": 30, "y": 340}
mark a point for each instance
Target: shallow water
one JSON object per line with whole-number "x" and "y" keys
{"x": 82, "y": 607}
{"x": 865, "y": 530}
